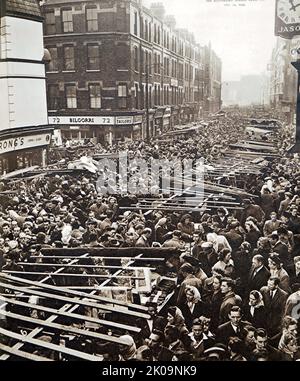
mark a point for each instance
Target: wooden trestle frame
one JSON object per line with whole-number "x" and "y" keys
{"x": 19, "y": 288}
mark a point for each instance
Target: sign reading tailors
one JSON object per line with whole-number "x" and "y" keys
{"x": 287, "y": 19}
{"x": 23, "y": 142}
{"x": 124, "y": 120}
{"x": 82, "y": 120}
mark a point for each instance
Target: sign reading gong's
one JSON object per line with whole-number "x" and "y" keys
{"x": 287, "y": 20}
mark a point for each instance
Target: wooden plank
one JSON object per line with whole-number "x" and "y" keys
{"x": 82, "y": 266}
{"x": 50, "y": 346}
{"x": 73, "y": 293}
{"x": 72, "y": 315}
{"x": 75, "y": 301}
{"x": 178, "y": 209}
{"x": 124, "y": 252}
{"x": 22, "y": 354}
{"x": 206, "y": 201}
{"x": 65, "y": 328}
{"x": 72, "y": 275}
{"x": 108, "y": 258}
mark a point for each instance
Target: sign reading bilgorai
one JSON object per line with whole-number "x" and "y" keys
{"x": 91, "y": 120}
{"x": 82, "y": 120}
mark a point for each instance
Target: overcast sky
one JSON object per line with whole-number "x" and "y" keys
{"x": 243, "y": 36}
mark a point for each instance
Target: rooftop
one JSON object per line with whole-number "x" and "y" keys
{"x": 23, "y": 7}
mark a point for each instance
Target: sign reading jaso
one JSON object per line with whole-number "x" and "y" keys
{"x": 82, "y": 120}
{"x": 287, "y": 19}
{"x": 23, "y": 142}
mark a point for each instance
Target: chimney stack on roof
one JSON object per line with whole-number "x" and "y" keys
{"x": 158, "y": 10}
{"x": 170, "y": 21}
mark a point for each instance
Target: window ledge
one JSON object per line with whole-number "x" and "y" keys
{"x": 93, "y": 70}
{"x": 69, "y": 71}
{"x": 52, "y": 72}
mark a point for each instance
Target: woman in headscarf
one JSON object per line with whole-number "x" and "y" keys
{"x": 289, "y": 348}
{"x": 161, "y": 229}
{"x": 192, "y": 307}
{"x": 175, "y": 318}
{"x": 219, "y": 241}
{"x": 255, "y": 311}
{"x": 252, "y": 231}
{"x": 127, "y": 351}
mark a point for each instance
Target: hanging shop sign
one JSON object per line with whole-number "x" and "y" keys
{"x": 124, "y": 120}
{"x": 287, "y": 18}
{"x": 23, "y": 142}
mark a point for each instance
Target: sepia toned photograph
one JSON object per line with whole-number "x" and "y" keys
{"x": 149, "y": 183}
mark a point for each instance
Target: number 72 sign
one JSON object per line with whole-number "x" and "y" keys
{"x": 287, "y": 18}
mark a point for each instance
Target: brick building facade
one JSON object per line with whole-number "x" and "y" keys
{"x": 103, "y": 55}
{"x": 283, "y": 79}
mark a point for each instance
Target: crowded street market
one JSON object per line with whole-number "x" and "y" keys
{"x": 92, "y": 272}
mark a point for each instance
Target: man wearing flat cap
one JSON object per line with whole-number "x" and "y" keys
{"x": 252, "y": 210}
{"x": 175, "y": 241}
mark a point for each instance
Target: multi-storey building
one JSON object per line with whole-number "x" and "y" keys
{"x": 283, "y": 79}
{"x": 212, "y": 81}
{"x": 107, "y": 56}
{"x": 24, "y": 131}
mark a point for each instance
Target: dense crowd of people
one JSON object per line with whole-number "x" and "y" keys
{"x": 238, "y": 277}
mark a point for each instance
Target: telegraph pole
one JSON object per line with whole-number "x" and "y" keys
{"x": 296, "y": 147}
{"x": 147, "y": 106}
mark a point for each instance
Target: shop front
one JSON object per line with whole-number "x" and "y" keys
{"x": 167, "y": 119}
{"x": 175, "y": 116}
{"x": 98, "y": 129}
{"x": 158, "y": 121}
{"x": 22, "y": 150}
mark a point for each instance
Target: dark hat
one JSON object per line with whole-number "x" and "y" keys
{"x": 247, "y": 201}
{"x": 276, "y": 259}
{"x": 191, "y": 260}
{"x": 177, "y": 233}
{"x": 218, "y": 348}
{"x": 187, "y": 267}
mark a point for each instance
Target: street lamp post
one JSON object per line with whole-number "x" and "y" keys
{"x": 296, "y": 147}
{"x": 147, "y": 107}
{"x": 147, "y": 99}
